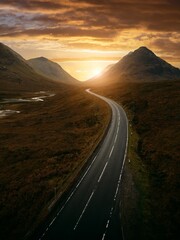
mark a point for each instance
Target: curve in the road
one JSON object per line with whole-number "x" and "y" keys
{"x": 91, "y": 211}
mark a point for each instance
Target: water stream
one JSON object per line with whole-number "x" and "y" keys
{"x": 7, "y": 112}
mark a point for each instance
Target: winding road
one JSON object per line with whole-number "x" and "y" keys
{"x": 91, "y": 210}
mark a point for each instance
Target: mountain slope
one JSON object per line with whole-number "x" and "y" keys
{"x": 150, "y": 184}
{"x": 51, "y": 70}
{"x": 142, "y": 64}
{"x": 16, "y": 74}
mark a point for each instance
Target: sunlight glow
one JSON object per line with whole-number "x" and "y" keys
{"x": 84, "y": 70}
{"x": 96, "y": 72}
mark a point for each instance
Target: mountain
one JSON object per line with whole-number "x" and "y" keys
{"x": 140, "y": 65}
{"x": 107, "y": 68}
{"x": 17, "y": 75}
{"x": 52, "y": 70}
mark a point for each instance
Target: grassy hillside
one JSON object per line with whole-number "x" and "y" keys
{"x": 52, "y": 70}
{"x": 17, "y": 75}
{"x": 140, "y": 65}
{"x": 150, "y": 202}
{"x": 42, "y": 149}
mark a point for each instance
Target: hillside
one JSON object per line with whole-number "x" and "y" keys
{"x": 17, "y": 75}
{"x": 43, "y": 148}
{"x": 43, "y": 145}
{"x": 140, "y": 65}
{"x": 150, "y": 195}
{"x": 52, "y": 70}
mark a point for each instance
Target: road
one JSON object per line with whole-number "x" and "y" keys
{"x": 91, "y": 210}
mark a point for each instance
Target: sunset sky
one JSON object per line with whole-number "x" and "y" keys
{"x": 84, "y": 36}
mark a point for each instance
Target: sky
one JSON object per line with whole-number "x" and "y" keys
{"x": 84, "y": 36}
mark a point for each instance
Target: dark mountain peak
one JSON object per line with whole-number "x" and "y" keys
{"x": 16, "y": 74}
{"x": 143, "y": 49}
{"x": 140, "y": 57}
{"x": 143, "y": 52}
{"x": 42, "y": 58}
{"x": 1, "y": 45}
{"x": 142, "y": 65}
{"x": 6, "y": 51}
{"x": 10, "y": 57}
{"x": 52, "y": 70}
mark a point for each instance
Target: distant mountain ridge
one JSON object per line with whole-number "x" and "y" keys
{"x": 16, "y": 74}
{"x": 52, "y": 70}
{"x": 140, "y": 65}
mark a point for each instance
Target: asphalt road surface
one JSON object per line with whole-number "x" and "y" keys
{"x": 91, "y": 210}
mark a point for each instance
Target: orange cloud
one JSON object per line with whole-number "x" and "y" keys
{"x": 65, "y": 27}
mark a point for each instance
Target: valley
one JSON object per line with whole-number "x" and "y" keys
{"x": 149, "y": 191}
{"x": 42, "y": 148}
{"x": 51, "y": 127}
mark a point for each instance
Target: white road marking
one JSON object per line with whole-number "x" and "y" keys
{"x": 78, "y": 184}
{"x": 86, "y": 172}
{"x": 69, "y": 196}
{"x": 111, "y": 151}
{"x": 102, "y": 172}
{"x": 125, "y": 154}
{"x": 111, "y": 212}
{"x": 52, "y": 221}
{"x": 84, "y": 210}
{"x": 103, "y": 236}
{"x": 119, "y": 181}
{"x": 116, "y": 135}
{"x": 116, "y": 192}
{"x": 107, "y": 224}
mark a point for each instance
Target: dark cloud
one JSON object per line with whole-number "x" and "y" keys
{"x": 164, "y": 45}
{"x": 33, "y": 4}
{"x": 155, "y": 22}
{"x": 153, "y": 15}
{"x": 6, "y": 30}
{"x": 157, "y": 15}
{"x": 57, "y": 32}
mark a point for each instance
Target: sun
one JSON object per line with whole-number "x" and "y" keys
{"x": 96, "y": 71}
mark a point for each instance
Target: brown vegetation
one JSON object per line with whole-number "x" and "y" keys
{"x": 150, "y": 191}
{"x": 42, "y": 149}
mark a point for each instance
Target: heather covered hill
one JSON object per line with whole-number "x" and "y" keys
{"x": 140, "y": 65}
{"x": 17, "y": 75}
{"x": 150, "y": 190}
{"x": 42, "y": 148}
{"x": 52, "y": 70}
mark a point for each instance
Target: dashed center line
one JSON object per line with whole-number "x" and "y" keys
{"x": 103, "y": 236}
{"x": 111, "y": 151}
{"x": 86, "y": 172}
{"x": 102, "y": 172}
{"x": 69, "y": 197}
{"x": 116, "y": 138}
{"x": 84, "y": 210}
{"x": 107, "y": 224}
{"x": 99, "y": 179}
